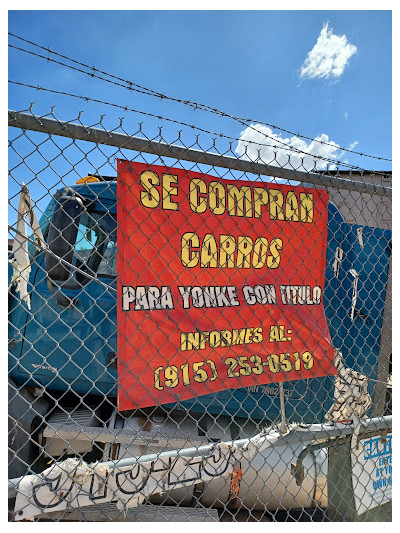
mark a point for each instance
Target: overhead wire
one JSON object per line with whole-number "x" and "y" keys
{"x": 144, "y": 90}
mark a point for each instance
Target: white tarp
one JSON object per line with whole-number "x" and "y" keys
{"x": 371, "y": 471}
{"x": 21, "y": 263}
{"x": 73, "y": 483}
{"x": 351, "y": 398}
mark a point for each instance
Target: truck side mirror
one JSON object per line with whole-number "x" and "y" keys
{"x": 63, "y": 229}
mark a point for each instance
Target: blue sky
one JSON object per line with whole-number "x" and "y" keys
{"x": 246, "y": 63}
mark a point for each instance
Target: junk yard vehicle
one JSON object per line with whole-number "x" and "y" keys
{"x": 64, "y": 368}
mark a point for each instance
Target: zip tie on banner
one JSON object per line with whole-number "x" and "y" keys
{"x": 355, "y": 274}
{"x": 360, "y": 237}
{"x": 338, "y": 260}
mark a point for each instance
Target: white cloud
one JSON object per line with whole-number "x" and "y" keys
{"x": 352, "y": 145}
{"x": 346, "y": 114}
{"x": 329, "y": 56}
{"x": 259, "y": 143}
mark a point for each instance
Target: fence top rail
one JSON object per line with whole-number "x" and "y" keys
{"x": 26, "y": 121}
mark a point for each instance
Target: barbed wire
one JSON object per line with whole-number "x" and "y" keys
{"x": 194, "y": 127}
{"x": 130, "y": 87}
{"x": 191, "y": 126}
{"x": 144, "y": 90}
{"x": 285, "y": 146}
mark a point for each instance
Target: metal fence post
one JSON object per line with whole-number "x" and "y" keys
{"x": 385, "y": 352}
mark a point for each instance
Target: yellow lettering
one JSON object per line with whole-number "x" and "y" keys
{"x": 275, "y": 258}
{"x": 197, "y": 187}
{"x": 238, "y": 336}
{"x": 292, "y": 207}
{"x": 193, "y": 340}
{"x": 260, "y": 199}
{"x": 260, "y": 252}
{"x": 274, "y": 334}
{"x": 214, "y": 339}
{"x": 183, "y": 342}
{"x": 227, "y": 251}
{"x": 150, "y": 197}
{"x": 217, "y": 199}
{"x": 245, "y": 247}
{"x": 169, "y": 189}
{"x": 249, "y": 333}
{"x": 189, "y": 257}
{"x": 157, "y": 382}
{"x": 276, "y": 205}
{"x": 227, "y": 337}
{"x": 209, "y": 252}
{"x": 306, "y": 207}
{"x": 239, "y": 201}
{"x": 257, "y": 334}
{"x": 171, "y": 376}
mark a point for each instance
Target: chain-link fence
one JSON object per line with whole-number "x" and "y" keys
{"x": 193, "y": 335}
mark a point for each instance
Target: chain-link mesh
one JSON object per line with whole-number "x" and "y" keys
{"x": 155, "y": 372}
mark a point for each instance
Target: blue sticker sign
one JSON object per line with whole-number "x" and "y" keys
{"x": 372, "y": 472}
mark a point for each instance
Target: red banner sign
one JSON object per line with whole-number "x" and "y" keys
{"x": 220, "y": 284}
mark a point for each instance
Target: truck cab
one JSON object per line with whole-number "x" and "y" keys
{"x": 67, "y": 341}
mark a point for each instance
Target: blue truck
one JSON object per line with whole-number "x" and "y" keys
{"x": 63, "y": 350}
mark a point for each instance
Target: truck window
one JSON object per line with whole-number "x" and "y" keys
{"x": 95, "y": 249}
{"x": 108, "y": 263}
